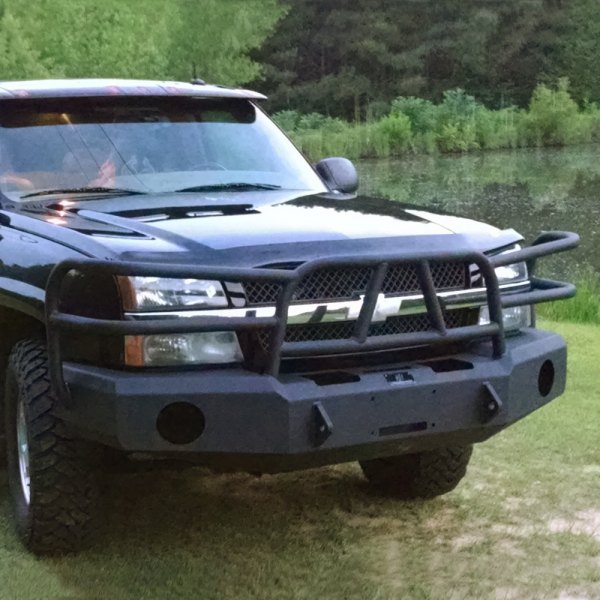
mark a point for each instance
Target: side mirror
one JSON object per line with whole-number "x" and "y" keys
{"x": 339, "y": 174}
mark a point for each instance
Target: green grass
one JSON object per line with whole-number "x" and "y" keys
{"x": 583, "y": 308}
{"x": 525, "y": 523}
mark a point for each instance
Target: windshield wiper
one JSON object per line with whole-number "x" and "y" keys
{"x": 225, "y": 187}
{"x": 84, "y": 190}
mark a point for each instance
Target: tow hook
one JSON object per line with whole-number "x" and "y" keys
{"x": 492, "y": 404}
{"x": 322, "y": 424}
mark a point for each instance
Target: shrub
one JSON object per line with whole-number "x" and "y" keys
{"x": 554, "y": 118}
{"x": 287, "y": 119}
{"x": 458, "y": 124}
{"x": 422, "y": 113}
{"x": 458, "y": 107}
{"x": 396, "y": 128}
{"x": 457, "y": 137}
{"x": 318, "y": 121}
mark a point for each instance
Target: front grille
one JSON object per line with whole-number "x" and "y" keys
{"x": 392, "y": 326}
{"x": 351, "y": 282}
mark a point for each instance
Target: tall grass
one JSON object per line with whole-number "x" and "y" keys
{"x": 584, "y": 308}
{"x": 457, "y": 124}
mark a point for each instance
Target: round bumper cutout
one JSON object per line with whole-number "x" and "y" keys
{"x": 180, "y": 423}
{"x": 546, "y": 378}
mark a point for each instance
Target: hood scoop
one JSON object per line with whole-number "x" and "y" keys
{"x": 166, "y": 213}
{"x": 72, "y": 217}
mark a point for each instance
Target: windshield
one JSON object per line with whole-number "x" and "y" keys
{"x": 148, "y": 145}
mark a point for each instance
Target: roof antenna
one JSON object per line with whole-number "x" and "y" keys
{"x": 195, "y": 79}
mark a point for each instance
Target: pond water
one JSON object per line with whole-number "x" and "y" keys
{"x": 527, "y": 190}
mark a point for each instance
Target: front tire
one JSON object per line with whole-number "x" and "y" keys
{"x": 422, "y": 475}
{"x": 51, "y": 475}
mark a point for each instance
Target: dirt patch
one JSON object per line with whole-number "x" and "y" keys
{"x": 571, "y": 596}
{"x": 586, "y": 522}
{"x": 518, "y": 531}
{"x": 507, "y": 593}
{"x": 515, "y": 503}
{"x": 590, "y": 469}
{"x": 466, "y": 541}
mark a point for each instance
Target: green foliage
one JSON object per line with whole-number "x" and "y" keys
{"x": 17, "y": 56}
{"x": 457, "y": 137}
{"x": 497, "y": 51}
{"x": 458, "y": 106}
{"x": 287, "y": 119}
{"x": 579, "y": 50}
{"x": 554, "y": 117}
{"x": 217, "y": 36}
{"x": 396, "y": 131}
{"x": 422, "y": 113}
{"x": 141, "y": 39}
{"x": 83, "y": 38}
{"x": 458, "y": 124}
{"x": 319, "y": 121}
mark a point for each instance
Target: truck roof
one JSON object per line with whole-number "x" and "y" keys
{"x": 82, "y": 88}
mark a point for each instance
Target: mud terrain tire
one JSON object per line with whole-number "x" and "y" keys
{"x": 422, "y": 475}
{"x": 54, "y": 514}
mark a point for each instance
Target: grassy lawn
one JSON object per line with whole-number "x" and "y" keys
{"x": 525, "y": 523}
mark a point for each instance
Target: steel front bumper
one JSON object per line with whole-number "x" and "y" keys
{"x": 270, "y": 424}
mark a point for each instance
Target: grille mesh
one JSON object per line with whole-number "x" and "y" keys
{"x": 392, "y": 326}
{"x": 351, "y": 282}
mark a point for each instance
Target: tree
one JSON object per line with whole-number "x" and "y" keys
{"x": 84, "y": 38}
{"x": 579, "y": 51}
{"x": 145, "y": 38}
{"x": 216, "y": 36}
{"x": 18, "y": 59}
{"x": 343, "y": 58}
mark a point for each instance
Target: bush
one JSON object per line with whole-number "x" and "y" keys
{"x": 458, "y": 107}
{"x": 422, "y": 113}
{"x": 319, "y": 121}
{"x": 287, "y": 119}
{"x": 554, "y": 118}
{"x": 496, "y": 129}
{"x": 458, "y": 124}
{"x": 397, "y": 130}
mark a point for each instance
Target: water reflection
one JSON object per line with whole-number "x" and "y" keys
{"x": 528, "y": 190}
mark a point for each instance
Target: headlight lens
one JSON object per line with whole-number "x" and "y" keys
{"x": 155, "y": 293}
{"x": 164, "y": 350}
{"x": 517, "y": 317}
{"x": 512, "y": 273}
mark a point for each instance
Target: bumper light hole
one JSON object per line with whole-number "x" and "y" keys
{"x": 546, "y": 378}
{"x": 180, "y": 423}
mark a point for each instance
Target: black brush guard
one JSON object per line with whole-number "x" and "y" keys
{"x": 542, "y": 290}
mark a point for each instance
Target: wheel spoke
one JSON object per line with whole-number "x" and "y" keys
{"x": 23, "y": 449}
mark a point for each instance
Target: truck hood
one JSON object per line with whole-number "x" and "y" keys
{"x": 249, "y": 227}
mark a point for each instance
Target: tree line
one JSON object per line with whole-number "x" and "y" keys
{"x": 159, "y": 39}
{"x": 353, "y": 59}
{"x": 342, "y": 59}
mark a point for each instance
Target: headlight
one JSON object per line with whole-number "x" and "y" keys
{"x": 512, "y": 273}
{"x": 516, "y": 317}
{"x": 163, "y": 350}
{"x": 156, "y": 293}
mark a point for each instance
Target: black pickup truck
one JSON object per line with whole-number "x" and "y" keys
{"x": 177, "y": 281}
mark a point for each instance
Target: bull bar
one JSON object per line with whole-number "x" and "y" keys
{"x": 541, "y": 290}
